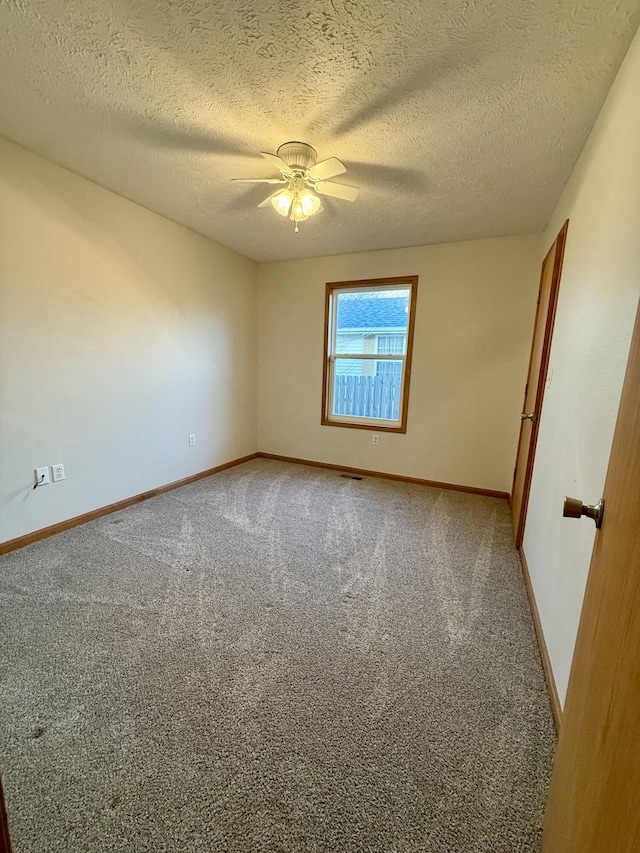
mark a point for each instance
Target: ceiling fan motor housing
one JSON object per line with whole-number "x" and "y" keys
{"x": 298, "y": 155}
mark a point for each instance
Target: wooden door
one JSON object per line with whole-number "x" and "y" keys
{"x": 536, "y": 378}
{"x": 594, "y": 800}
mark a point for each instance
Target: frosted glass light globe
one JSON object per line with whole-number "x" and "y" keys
{"x": 282, "y": 202}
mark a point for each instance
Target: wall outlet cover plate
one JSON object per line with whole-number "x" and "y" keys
{"x": 42, "y": 476}
{"x": 57, "y": 472}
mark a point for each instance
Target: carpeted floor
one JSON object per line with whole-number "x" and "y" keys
{"x": 275, "y": 658}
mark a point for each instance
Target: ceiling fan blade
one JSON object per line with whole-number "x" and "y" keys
{"x": 259, "y": 180}
{"x": 326, "y": 169}
{"x": 343, "y": 191}
{"x": 267, "y": 200}
{"x": 278, "y": 162}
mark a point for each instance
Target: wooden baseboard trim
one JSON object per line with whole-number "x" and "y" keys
{"x": 52, "y": 530}
{"x": 490, "y": 493}
{"x": 45, "y": 532}
{"x": 5, "y": 841}
{"x": 542, "y": 645}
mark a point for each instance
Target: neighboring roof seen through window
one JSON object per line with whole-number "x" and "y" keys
{"x": 372, "y": 311}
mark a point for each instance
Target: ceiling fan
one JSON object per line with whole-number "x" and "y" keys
{"x": 304, "y": 178}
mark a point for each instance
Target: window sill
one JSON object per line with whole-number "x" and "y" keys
{"x": 370, "y": 425}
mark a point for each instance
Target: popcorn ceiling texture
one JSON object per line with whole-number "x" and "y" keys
{"x": 457, "y": 120}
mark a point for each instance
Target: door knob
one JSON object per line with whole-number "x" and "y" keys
{"x": 574, "y": 508}
{"x": 530, "y": 417}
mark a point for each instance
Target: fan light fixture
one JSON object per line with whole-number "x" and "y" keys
{"x": 304, "y": 178}
{"x": 296, "y": 202}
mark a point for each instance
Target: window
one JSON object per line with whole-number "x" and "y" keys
{"x": 390, "y": 344}
{"x": 388, "y": 368}
{"x": 368, "y": 342}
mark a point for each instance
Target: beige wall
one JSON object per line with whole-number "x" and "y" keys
{"x": 596, "y": 309}
{"x": 475, "y": 309}
{"x": 120, "y": 334}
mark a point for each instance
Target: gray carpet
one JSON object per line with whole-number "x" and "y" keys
{"x": 275, "y": 659}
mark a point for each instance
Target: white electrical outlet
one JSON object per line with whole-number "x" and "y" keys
{"x": 57, "y": 472}
{"x": 192, "y": 440}
{"x": 42, "y": 476}
{"x": 375, "y": 438}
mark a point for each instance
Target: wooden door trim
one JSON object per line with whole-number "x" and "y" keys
{"x": 552, "y": 688}
{"x": 558, "y": 245}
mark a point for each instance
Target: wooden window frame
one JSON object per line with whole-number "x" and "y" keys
{"x": 350, "y": 421}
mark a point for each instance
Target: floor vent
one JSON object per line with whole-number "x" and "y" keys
{"x": 351, "y": 477}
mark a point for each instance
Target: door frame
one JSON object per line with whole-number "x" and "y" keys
{"x": 559, "y": 245}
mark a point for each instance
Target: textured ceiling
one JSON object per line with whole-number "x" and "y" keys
{"x": 457, "y": 119}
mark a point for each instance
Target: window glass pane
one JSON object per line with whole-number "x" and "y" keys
{"x": 346, "y": 342}
{"x": 388, "y": 368}
{"x": 365, "y": 316}
{"x": 391, "y": 344}
{"x": 367, "y": 388}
